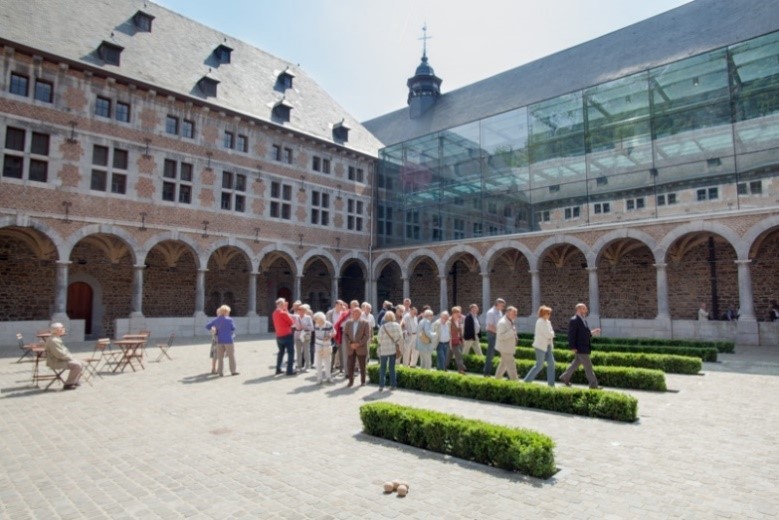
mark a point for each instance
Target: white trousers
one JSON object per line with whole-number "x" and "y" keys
{"x": 410, "y": 352}
{"x": 322, "y": 363}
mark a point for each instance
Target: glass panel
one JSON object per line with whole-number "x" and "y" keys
{"x": 14, "y": 139}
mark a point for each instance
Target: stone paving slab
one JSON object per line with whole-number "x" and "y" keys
{"x": 173, "y": 442}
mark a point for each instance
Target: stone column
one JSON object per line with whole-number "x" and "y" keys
{"x": 136, "y": 305}
{"x": 373, "y": 294}
{"x": 747, "y": 329}
{"x": 406, "y": 288}
{"x": 369, "y": 284}
{"x": 298, "y": 283}
{"x": 251, "y": 312}
{"x": 662, "y": 292}
{"x": 443, "y": 298}
{"x": 61, "y": 293}
{"x": 486, "y": 300}
{"x": 200, "y": 292}
{"x": 594, "y": 300}
{"x": 535, "y": 292}
{"x": 333, "y": 291}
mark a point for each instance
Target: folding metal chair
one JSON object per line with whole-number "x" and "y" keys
{"x": 26, "y": 349}
{"x": 92, "y": 363}
{"x": 53, "y": 377}
{"x": 165, "y": 346}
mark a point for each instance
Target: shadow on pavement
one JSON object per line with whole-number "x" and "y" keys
{"x": 448, "y": 459}
{"x": 258, "y": 380}
{"x": 200, "y": 378}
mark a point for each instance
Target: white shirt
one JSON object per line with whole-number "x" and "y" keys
{"x": 493, "y": 317}
{"x": 444, "y": 333}
{"x": 411, "y": 325}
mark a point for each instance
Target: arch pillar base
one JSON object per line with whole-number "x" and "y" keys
{"x": 747, "y": 332}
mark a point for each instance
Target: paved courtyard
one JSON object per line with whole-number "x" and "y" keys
{"x": 174, "y": 442}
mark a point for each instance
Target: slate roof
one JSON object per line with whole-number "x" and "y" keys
{"x": 688, "y": 30}
{"x": 174, "y": 56}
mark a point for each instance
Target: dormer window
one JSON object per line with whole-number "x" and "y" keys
{"x": 142, "y": 21}
{"x": 208, "y": 86}
{"x": 222, "y": 54}
{"x": 341, "y": 131}
{"x": 110, "y": 52}
{"x": 282, "y": 110}
{"x": 284, "y": 79}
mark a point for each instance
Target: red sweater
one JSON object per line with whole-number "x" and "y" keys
{"x": 282, "y": 323}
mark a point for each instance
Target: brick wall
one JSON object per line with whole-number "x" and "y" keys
{"x": 169, "y": 290}
{"x": 634, "y": 270}
{"x": 564, "y": 284}
{"x": 510, "y": 280}
{"x": 26, "y": 282}
{"x": 764, "y": 269}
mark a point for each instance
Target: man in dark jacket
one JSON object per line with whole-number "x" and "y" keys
{"x": 471, "y": 332}
{"x": 579, "y": 335}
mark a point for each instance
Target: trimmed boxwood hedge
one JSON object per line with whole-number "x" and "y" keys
{"x": 666, "y": 363}
{"x": 721, "y": 346}
{"x": 705, "y": 354}
{"x": 513, "y": 449}
{"x": 619, "y": 377}
{"x": 602, "y": 404}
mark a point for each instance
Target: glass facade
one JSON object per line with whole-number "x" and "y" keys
{"x": 693, "y": 136}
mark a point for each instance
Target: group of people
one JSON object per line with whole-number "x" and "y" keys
{"x": 340, "y": 339}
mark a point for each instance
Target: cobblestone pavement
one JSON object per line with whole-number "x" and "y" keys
{"x": 172, "y": 441}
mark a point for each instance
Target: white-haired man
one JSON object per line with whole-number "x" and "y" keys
{"x": 58, "y": 357}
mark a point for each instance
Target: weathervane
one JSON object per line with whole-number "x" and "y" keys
{"x": 424, "y": 39}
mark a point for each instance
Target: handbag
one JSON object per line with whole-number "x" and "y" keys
{"x": 424, "y": 338}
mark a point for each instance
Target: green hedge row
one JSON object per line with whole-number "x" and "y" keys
{"x": 705, "y": 354}
{"x": 721, "y": 346}
{"x": 618, "y": 377}
{"x": 602, "y": 404}
{"x": 513, "y": 449}
{"x": 666, "y": 363}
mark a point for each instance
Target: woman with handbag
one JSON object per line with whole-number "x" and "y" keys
{"x": 543, "y": 343}
{"x": 390, "y": 341}
{"x": 426, "y": 340}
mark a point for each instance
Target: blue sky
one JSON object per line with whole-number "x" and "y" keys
{"x": 363, "y": 51}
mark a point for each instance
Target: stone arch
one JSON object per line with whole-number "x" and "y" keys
{"x": 227, "y": 277}
{"x": 170, "y": 276}
{"x": 563, "y": 277}
{"x": 715, "y": 228}
{"x": 277, "y": 271}
{"x": 463, "y": 269}
{"x": 763, "y": 242}
{"x": 102, "y": 229}
{"x": 173, "y": 236}
{"x": 316, "y": 285}
{"x": 625, "y": 265}
{"x": 600, "y": 244}
{"x": 108, "y": 254}
{"x": 28, "y": 270}
{"x": 274, "y": 251}
{"x": 330, "y": 263}
{"x": 382, "y": 259}
{"x": 424, "y": 286}
{"x": 417, "y": 256}
{"x": 351, "y": 284}
{"x": 231, "y": 242}
{"x": 43, "y": 228}
{"x": 389, "y": 280}
{"x": 510, "y": 278}
{"x": 354, "y": 257}
{"x": 556, "y": 240}
{"x": 499, "y": 247}
{"x": 701, "y": 268}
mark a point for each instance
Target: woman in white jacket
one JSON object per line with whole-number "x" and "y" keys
{"x": 506, "y": 345}
{"x": 390, "y": 342}
{"x": 543, "y": 343}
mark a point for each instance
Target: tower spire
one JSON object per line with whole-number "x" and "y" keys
{"x": 424, "y": 39}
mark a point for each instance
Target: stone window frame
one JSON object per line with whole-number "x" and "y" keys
{"x": 172, "y": 124}
{"x": 572, "y": 212}
{"x": 320, "y": 208}
{"x": 355, "y": 214}
{"x": 37, "y": 92}
{"x": 635, "y": 204}
{"x": 113, "y": 172}
{"x": 356, "y": 174}
{"x": 384, "y": 221}
{"x": 280, "y": 197}
{"x": 15, "y": 82}
{"x": 233, "y": 191}
{"x": 177, "y": 181}
{"x": 34, "y": 162}
{"x": 601, "y": 208}
{"x": 103, "y": 106}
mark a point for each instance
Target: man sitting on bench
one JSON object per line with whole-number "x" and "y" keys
{"x": 58, "y": 357}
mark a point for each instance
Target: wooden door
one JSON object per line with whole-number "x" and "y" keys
{"x": 79, "y": 305}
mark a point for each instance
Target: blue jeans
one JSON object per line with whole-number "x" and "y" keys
{"x": 383, "y": 361}
{"x": 286, "y": 343}
{"x": 440, "y": 355}
{"x": 542, "y": 357}
{"x": 490, "y": 353}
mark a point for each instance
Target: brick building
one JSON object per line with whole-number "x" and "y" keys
{"x": 154, "y": 168}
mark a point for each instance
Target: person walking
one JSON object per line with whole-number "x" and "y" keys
{"x": 390, "y": 343}
{"x": 471, "y": 329}
{"x": 225, "y": 330}
{"x": 303, "y": 326}
{"x": 356, "y": 334}
{"x": 579, "y": 335}
{"x": 425, "y": 340}
{"x": 493, "y": 317}
{"x": 443, "y": 336}
{"x": 456, "y": 341}
{"x": 410, "y": 328}
{"x": 543, "y": 344}
{"x": 506, "y": 345}
{"x": 58, "y": 357}
{"x": 323, "y": 332}
{"x": 285, "y": 340}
